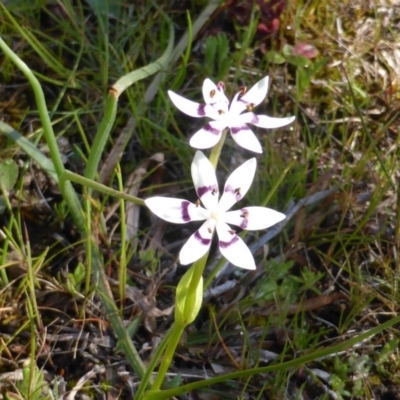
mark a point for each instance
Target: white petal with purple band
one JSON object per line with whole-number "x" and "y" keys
{"x": 229, "y": 115}
{"x": 215, "y": 213}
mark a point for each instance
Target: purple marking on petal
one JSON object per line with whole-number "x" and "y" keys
{"x": 201, "y": 110}
{"x": 212, "y": 130}
{"x": 185, "y": 211}
{"x": 255, "y": 119}
{"x": 221, "y": 86}
{"x": 201, "y": 191}
{"x": 234, "y": 191}
{"x": 236, "y": 129}
{"x": 203, "y": 241}
{"x": 245, "y": 215}
{"x": 224, "y": 245}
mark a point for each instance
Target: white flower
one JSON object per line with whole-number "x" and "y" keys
{"x": 216, "y": 214}
{"x": 225, "y": 115}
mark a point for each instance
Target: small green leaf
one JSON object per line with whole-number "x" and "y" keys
{"x": 188, "y": 302}
{"x": 299, "y": 61}
{"x": 287, "y": 50}
{"x": 29, "y": 149}
{"x": 8, "y": 174}
{"x": 79, "y": 273}
{"x": 273, "y": 57}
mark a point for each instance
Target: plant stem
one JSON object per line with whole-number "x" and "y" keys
{"x": 174, "y": 338}
{"x": 181, "y": 321}
{"x": 153, "y": 363}
{"x": 71, "y": 176}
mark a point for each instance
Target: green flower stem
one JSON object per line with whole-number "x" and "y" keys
{"x": 180, "y": 323}
{"x": 216, "y": 150}
{"x": 176, "y": 334}
{"x": 152, "y": 364}
{"x": 296, "y": 363}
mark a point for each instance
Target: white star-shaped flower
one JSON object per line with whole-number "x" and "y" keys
{"x": 216, "y": 214}
{"x": 229, "y": 115}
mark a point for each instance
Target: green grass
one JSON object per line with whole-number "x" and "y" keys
{"x": 328, "y": 277}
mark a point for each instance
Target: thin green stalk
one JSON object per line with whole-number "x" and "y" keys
{"x": 296, "y": 363}
{"x": 31, "y": 281}
{"x": 42, "y": 108}
{"x": 71, "y": 176}
{"x": 32, "y": 352}
{"x": 102, "y": 134}
{"x": 3, "y": 259}
{"x": 89, "y": 246}
{"x": 174, "y": 338}
{"x": 112, "y": 313}
{"x": 122, "y": 273}
{"x": 153, "y": 363}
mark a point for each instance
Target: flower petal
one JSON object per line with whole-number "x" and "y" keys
{"x": 263, "y": 121}
{"x": 192, "y": 108}
{"x": 257, "y": 93}
{"x": 233, "y": 248}
{"x": 208, "y": 136}
{"x": 205, "y": 180}
{"x": 214, "y": 94}
{"x": 236, "y": 106}
{"x": 237, "y": 184}
{"x": 177, "y": 211}
{"x": 251, "y": 99}
{"x": 246, "y": 138}
{"x": 253, "y": 218}
{"x": 197, "y": 245}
